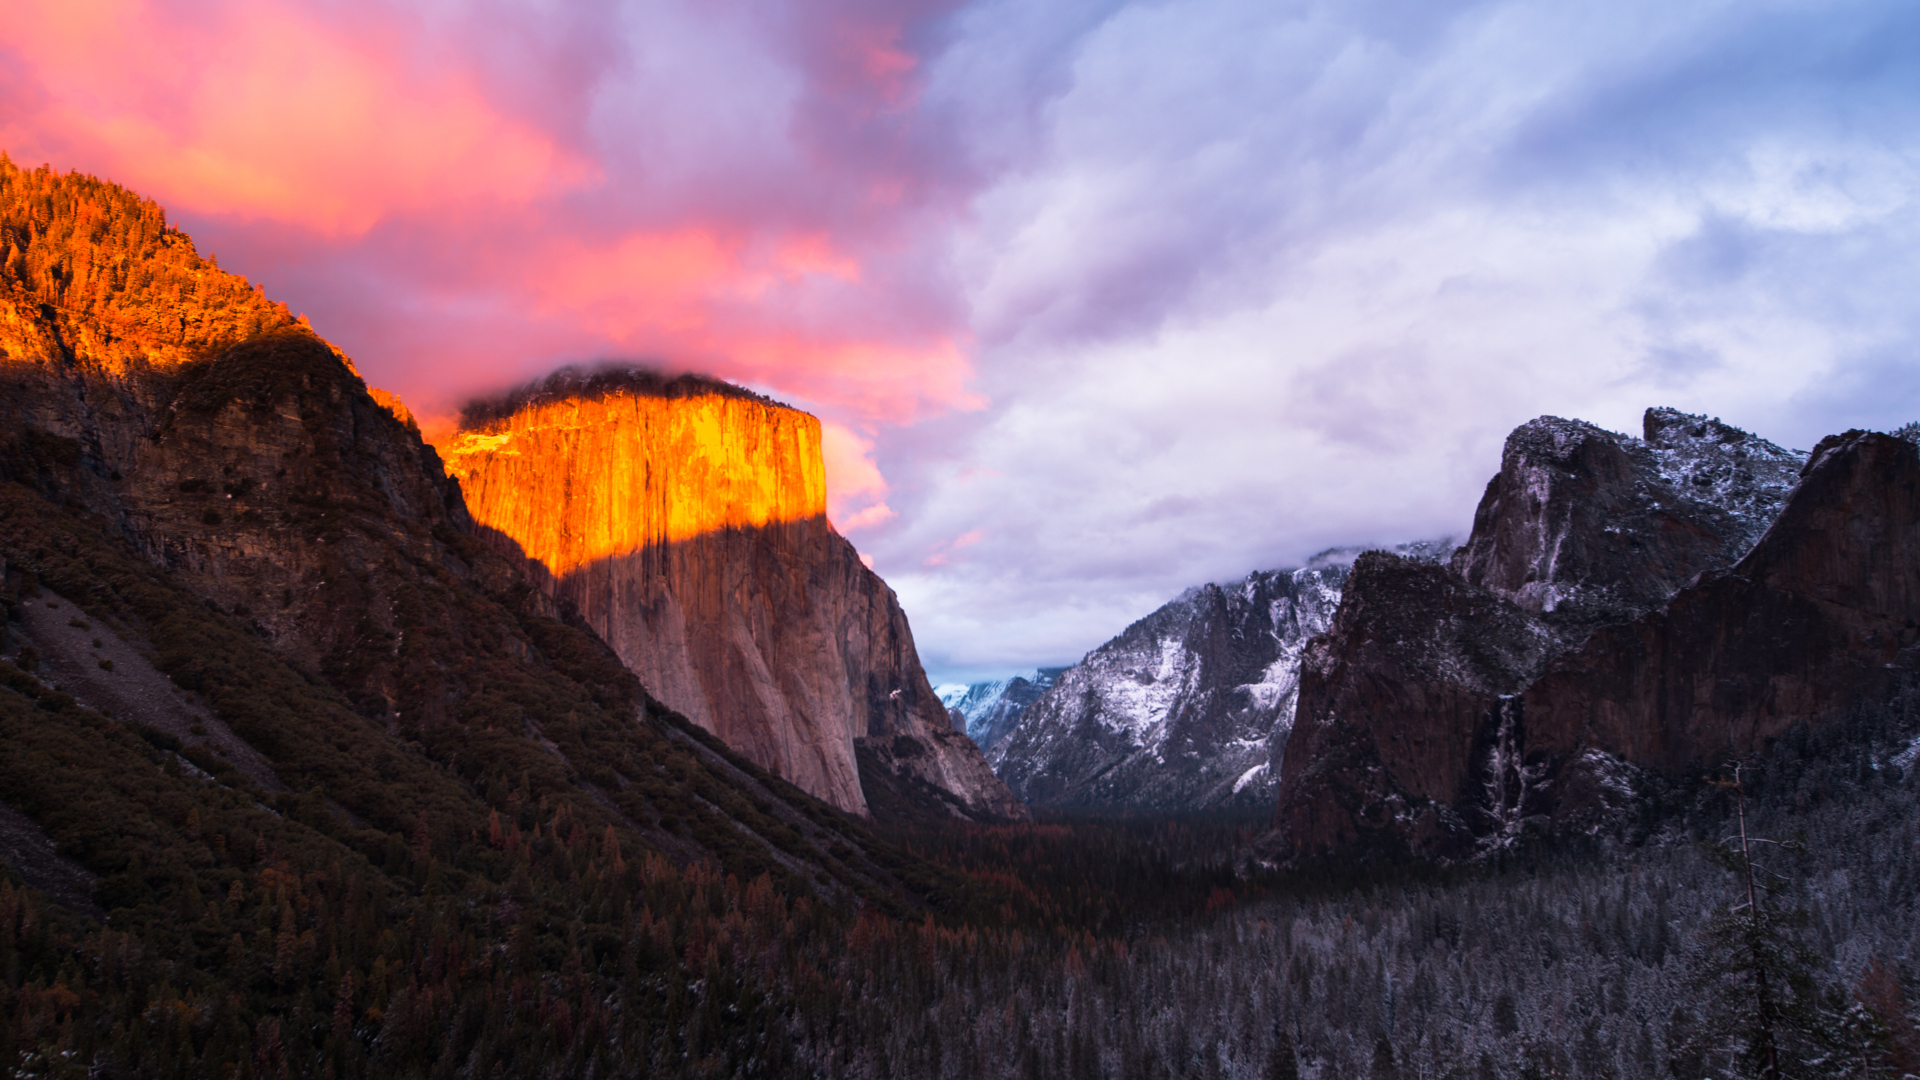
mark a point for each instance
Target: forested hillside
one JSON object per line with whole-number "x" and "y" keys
{"x": 466, "y": 894}
{"x": 1565, "y": 960}
{"x": 122, "y": 284}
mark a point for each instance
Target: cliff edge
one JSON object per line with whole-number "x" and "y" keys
{"x": 685, "y": 520}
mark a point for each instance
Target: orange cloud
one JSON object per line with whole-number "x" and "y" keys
{"x": 455, "y": 240}
{"x": 259, "y": 110}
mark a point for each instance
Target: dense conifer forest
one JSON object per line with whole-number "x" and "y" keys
{"x": 119, "y": 278}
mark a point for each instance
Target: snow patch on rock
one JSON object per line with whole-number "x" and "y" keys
{"x": 1190, "y": 707}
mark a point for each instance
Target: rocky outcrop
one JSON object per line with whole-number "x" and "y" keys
{"x": 1591, "y": 527}
{"x": 1393, "y": 699}
{"x": 685, "y": 520}
{"x": 1422, "y": 711}
{"x": 1187, "y": 709}
{"x": 1819, "y": 617}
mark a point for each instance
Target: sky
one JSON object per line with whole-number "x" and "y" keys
{"x": 1095, "y": 300}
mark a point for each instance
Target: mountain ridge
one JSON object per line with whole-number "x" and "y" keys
{"x": 1452, "y": 713}
{"x": 1185, "y": 710}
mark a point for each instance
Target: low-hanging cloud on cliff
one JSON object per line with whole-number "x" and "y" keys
{"x": 1098, "y": 299}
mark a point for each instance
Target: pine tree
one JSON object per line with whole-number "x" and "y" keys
{"x": 1283, "y": 1064}
{"x": 1778, "y": 1021}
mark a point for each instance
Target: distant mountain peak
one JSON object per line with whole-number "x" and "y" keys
{"x": 1187, "y": 708}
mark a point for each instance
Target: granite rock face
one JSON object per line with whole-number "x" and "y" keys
{"x": 1393, "y": 699}
{"x": 685, "y": 520}
{"x": 1187, "y": 709}
{"x": 1819, "y": 616}
{"x": 1593, "y": 527}
{"x": 1591, "y": 629}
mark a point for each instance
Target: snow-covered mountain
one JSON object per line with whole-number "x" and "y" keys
{"x": 987, "y": 711}
{"x": 1189, "y": 708}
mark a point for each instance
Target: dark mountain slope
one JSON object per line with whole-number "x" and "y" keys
{"x": 1819, "y": 618}
{"x": 413, "y": 799}
{"x": 1418, "y": 730}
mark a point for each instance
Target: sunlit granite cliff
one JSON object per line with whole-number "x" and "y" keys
{"x": 686, "y": 521}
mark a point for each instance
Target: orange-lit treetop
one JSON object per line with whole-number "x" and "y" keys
{"x": 121, "y": 281}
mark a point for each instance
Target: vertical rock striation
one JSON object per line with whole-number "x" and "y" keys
{"x": 1818, "y": 617}
{"x": 1590, "y": 627}
{"x": 685, "y": 519}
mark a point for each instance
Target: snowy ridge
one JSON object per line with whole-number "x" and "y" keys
{"x": 1618, "y": 523}
{"x": 987, "y": 711}
{"x": 1187, "y": 709}
{"x": 1706, "y": 461}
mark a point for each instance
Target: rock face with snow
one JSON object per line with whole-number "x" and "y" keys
{"x": 1188, "y": 709}
{"x": 1820, "y": 615}
{"x": 1589, "y": 628}
{"x": 1392, "y": 700}
{"x": 1591, "y": 527}
{"x": 989, "y": 711}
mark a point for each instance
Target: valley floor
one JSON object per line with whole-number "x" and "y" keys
{"x": 1572, "y": 963}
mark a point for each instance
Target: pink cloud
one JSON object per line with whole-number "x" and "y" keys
{"x": 464, "y": 199}
{"x": 262, "y": 111}
{"x": 856, "y": 492}
{"x": 943, "y": 553}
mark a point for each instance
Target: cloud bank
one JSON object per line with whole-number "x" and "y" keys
{"x": 1097, "y": 300}
{"x": 1251, "y": 280}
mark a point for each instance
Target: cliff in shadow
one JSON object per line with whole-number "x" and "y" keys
{"x": 1817, "y": 619}
{"x": 685, "y": 521}
{"x": 1623, "y": 606}
{"x": 1392, "y": 698}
